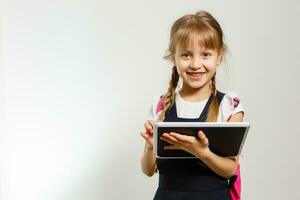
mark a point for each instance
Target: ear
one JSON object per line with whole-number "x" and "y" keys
{"x": 219, "y": 59}
{"x": 173, "y": 60}
{"x": 220, "y": 56}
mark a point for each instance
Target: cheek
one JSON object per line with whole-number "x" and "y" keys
{"x": 181, "y": 66}
{"x": 210, "y": 65}
{"x": 179, "y": 70}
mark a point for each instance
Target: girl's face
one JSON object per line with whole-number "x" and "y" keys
{"x": 196, "y": 65}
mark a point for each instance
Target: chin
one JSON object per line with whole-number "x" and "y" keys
{"x": 196, "y": 86}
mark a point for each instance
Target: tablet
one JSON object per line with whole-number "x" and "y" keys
{"x": 225, "y": 138}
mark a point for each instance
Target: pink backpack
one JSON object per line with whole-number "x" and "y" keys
{"x": 234, "y": 182}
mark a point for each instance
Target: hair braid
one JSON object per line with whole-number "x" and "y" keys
{"x": 170, "y": 95}
{"x": 213, "y": 85}
{"x": 214, "y": 106}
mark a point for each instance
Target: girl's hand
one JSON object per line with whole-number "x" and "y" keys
{"x": 148, "y": 134}
{"x": 198, "y": 146}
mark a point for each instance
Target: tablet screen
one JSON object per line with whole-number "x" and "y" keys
{"x": 223, "y": 140}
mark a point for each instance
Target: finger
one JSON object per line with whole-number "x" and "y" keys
{"x": 170, "y": 137}
{"x": 148, "y": 141}
{"x": 147, "y": 138}
{"x": 166, "y": 140}
{"x": 151, "y": 122}
{"x": 148, "y": 126}
{"x": 202, "y": 137}
{"x": 171, "y": 147}
{"x": 150, "y": 133}
{"x": 181, "y": 138}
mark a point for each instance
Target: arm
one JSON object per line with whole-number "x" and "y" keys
{"x": 223, "y": 166}
{"x": 148, "y": 160}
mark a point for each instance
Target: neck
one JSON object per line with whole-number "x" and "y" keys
{"x": 195, "y": 94}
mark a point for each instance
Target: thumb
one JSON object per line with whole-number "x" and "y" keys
{"x": 202, "y": 137}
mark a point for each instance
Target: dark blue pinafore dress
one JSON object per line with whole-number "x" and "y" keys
{"x": 189, "y": 179}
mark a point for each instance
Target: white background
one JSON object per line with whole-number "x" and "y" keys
{"x": 77, "y": 79}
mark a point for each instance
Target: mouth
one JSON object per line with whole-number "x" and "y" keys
{"x": 195, "y": 74}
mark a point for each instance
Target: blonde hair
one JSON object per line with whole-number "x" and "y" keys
{"x": 210, "y": 34}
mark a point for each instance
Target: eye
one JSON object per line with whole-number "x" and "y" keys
{"x": 206, "y": 54}
{"x": 185, "y": 55}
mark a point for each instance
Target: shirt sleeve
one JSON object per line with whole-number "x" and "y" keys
{"x": 230, "y": 105}
{"x": 152, "y": 115}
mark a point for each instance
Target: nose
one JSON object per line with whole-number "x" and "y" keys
{"x": 196, "y": 63}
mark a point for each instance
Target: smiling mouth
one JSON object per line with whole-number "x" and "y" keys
{"x": 195, "y": 74}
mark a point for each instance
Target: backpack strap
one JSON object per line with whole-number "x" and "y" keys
{"x": 232, "y": 181}
{"x": 235, "y": 185}
{"x": 160, "y": 104}
{"x": 220, "y": 96}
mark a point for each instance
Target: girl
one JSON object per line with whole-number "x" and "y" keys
{"x": 196, "y": 49}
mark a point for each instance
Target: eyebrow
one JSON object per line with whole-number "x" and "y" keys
{"x": 184, "y": 51}
{"x": 190, "y": 51}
